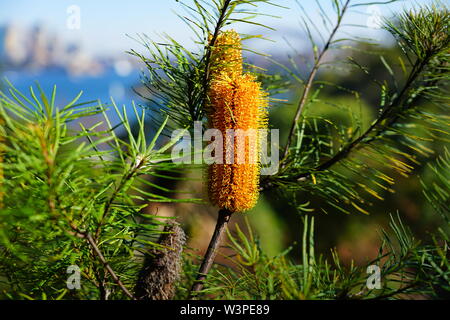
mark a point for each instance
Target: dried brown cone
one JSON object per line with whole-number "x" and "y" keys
{"x": 162, "y": 268}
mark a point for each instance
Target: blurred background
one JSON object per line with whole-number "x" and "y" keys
{"x": 82, "y": 46}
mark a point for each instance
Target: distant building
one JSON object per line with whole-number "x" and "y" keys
{"x": 38, "y": 49}
{"x": 14, "y": 46}
{"x": 2, "y": 43}
{"x": 39, "y": 54}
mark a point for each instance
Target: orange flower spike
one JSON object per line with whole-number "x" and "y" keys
{"x": 226, "y": 54}
{"x": 238, "y": 103}
{"x": 235, "y": 101}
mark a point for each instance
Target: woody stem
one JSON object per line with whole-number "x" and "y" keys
{"x": 211, "y": 252}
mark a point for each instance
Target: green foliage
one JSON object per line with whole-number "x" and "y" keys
{"x": 64, "y": 187}
{"x": 407, "y": 269}
{"x": 178, "y": 78}
{"x": 75, "y": 195}
{"x": 322, "y": 157}
{"x": 437, "y": 193}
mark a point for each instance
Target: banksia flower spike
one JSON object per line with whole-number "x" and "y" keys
{"x": 239, "y": 106}
{"x": 226, "y": 54}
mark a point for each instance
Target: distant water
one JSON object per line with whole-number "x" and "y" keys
{"x": 102, "y": 87}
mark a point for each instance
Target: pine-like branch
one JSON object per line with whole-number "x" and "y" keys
{"x": 309, "y": 83}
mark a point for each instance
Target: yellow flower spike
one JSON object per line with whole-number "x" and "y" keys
{"x": 226, "y": 54}
{"x": 238, "y": 102}
{"x": 235, "y": 101}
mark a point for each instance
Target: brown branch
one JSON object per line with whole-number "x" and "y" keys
{"x": 376, "y": 126}
{"x": 107, "y": 266}
{"x": 211, "y": 252}
{"x": 395, "y": 292}
{"x": 309, "y": 82}
{"x": 101, "y": 257}
{"x": 109, "y": 204}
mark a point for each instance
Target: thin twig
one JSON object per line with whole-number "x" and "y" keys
{"x": 415, "y": 73}
{"x": 395, "y": 292}
{"x": 211, "y": 252}
{"x": 309, "y": 82}
{"x": 109, "y": 204}
{"x": 101, "y": 257}
{"x": 107, "y": 266}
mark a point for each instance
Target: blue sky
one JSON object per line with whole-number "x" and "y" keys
{"x": 105, "y": 23}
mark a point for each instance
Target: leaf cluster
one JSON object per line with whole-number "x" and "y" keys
{"x": 75, "y": 196}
